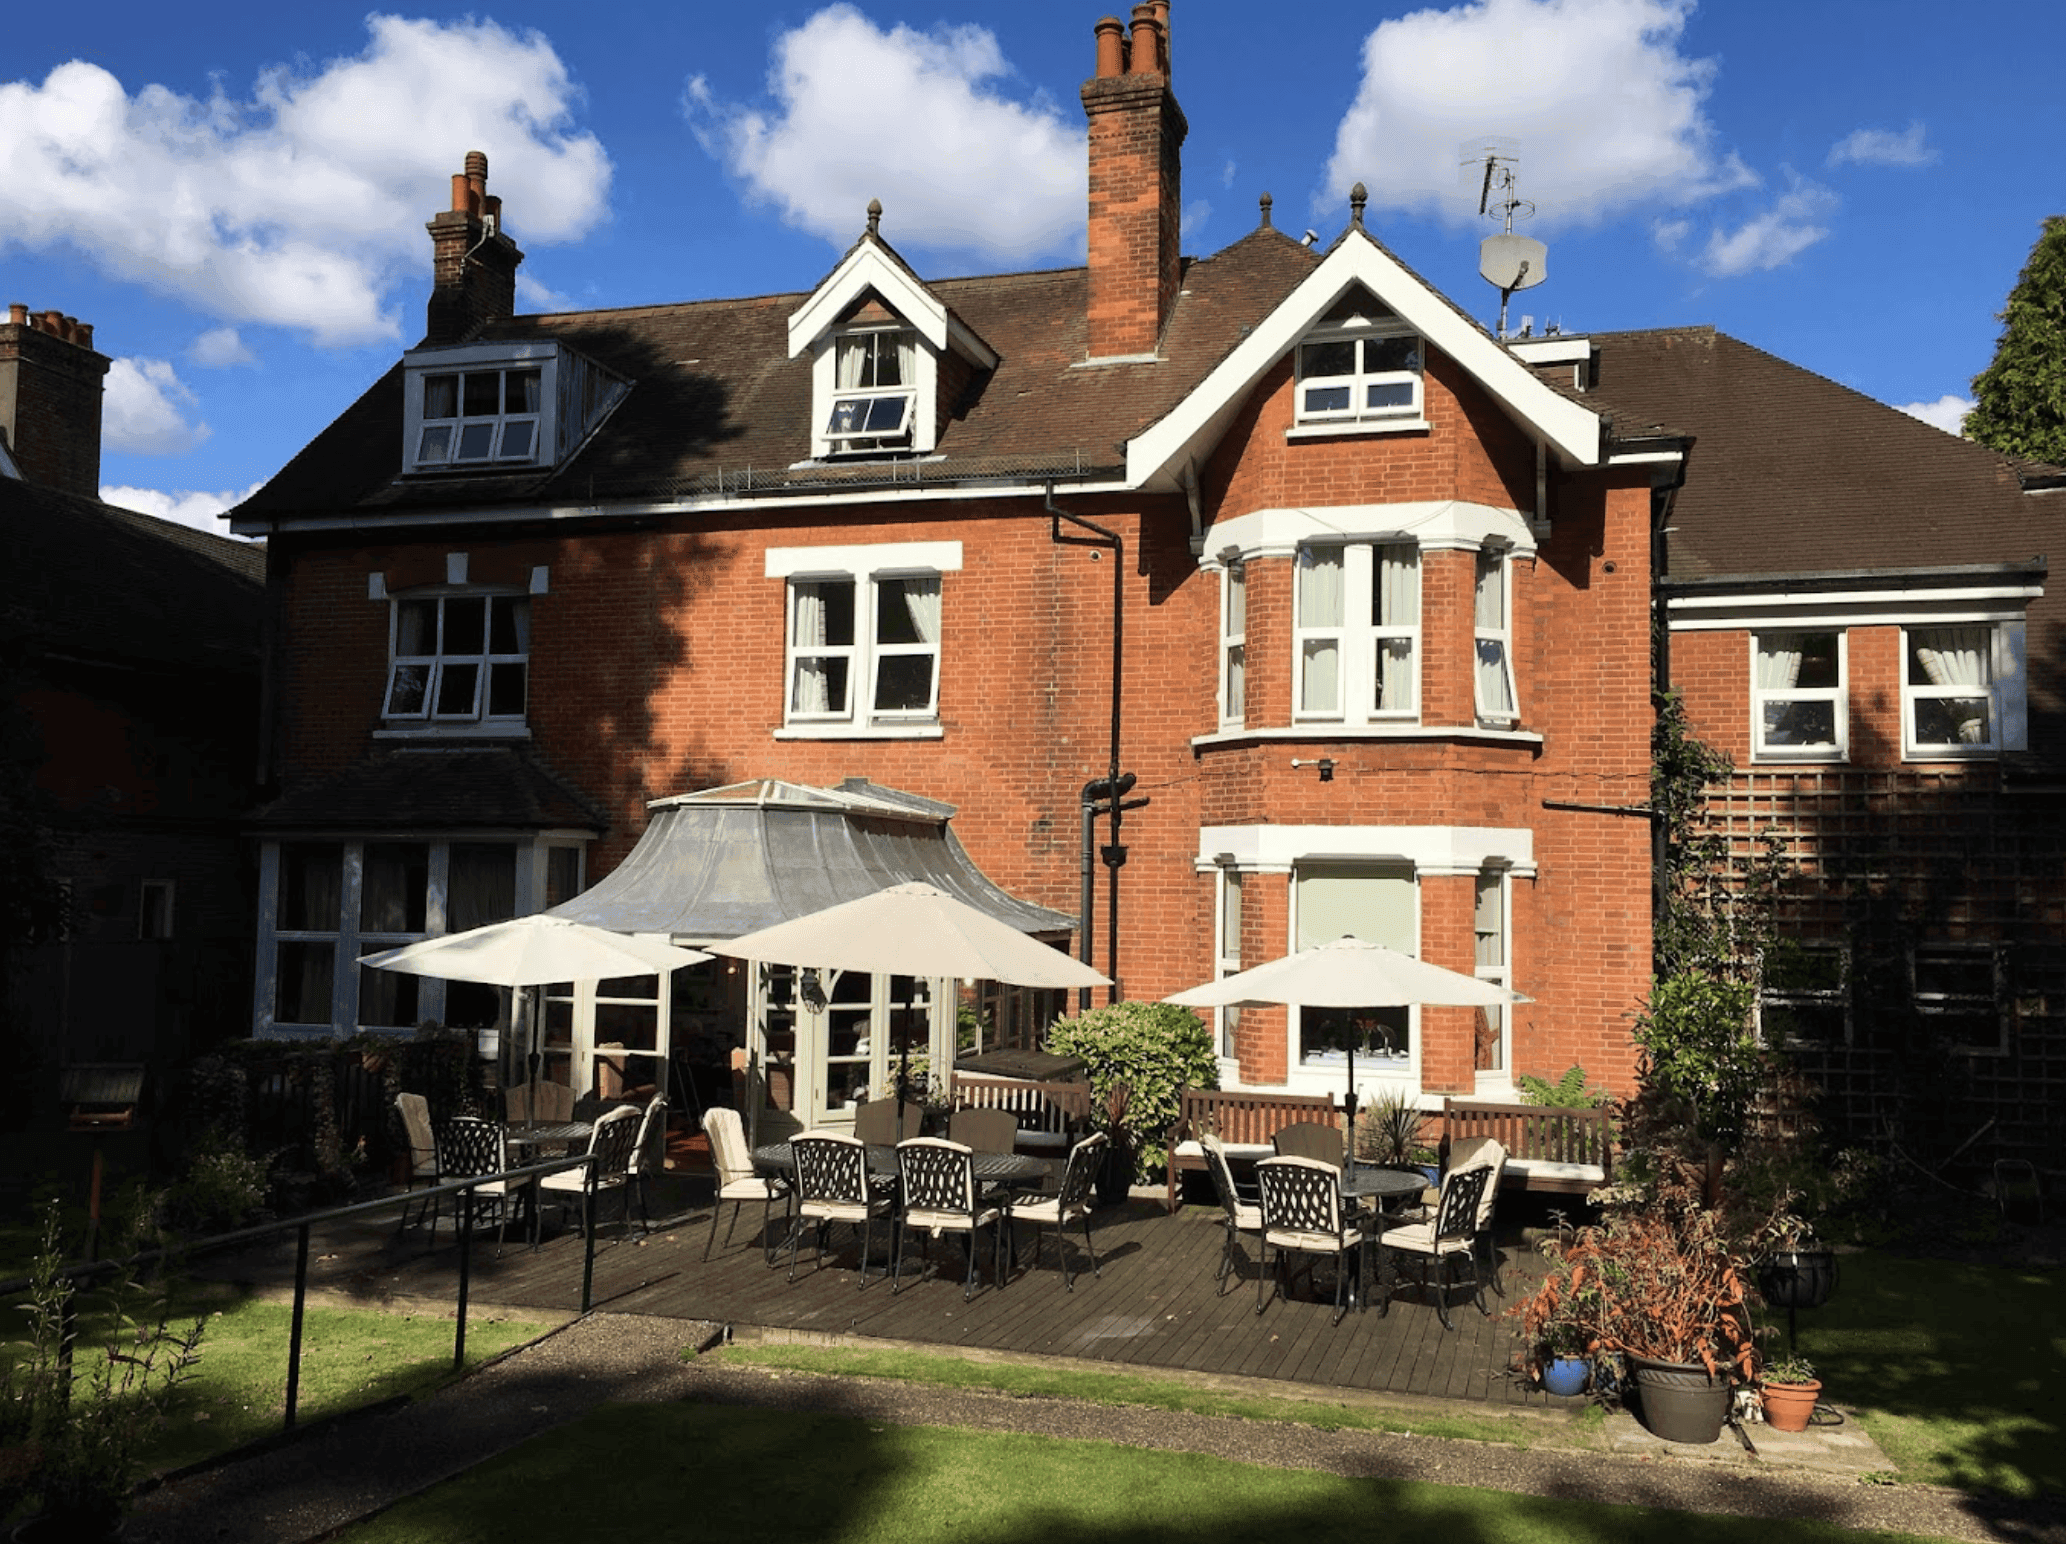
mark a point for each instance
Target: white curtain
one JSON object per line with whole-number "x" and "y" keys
{"x": 853, "y": 359}
{"x": 1398, "y": 605}
{"x": 1495, "y": 683}
{"x": 1320, "y": 606}
{"x": 1233, "y": 631}
{"x": 810, "y": 694}
{"x": 1779, "y": 661}
{"x": 1954, "y": 656}
{"x": 923, "y": 598}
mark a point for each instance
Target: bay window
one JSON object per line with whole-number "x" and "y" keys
{"x": 1492, "y": 605}
{"x": 1489, "y": 930}
{"x": 1378, "y": 903}
{"x": 1234, "y": 644}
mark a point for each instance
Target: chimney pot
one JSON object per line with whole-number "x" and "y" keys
{"x": 1147, "y": 51}
{"x": 477, "y": 165}
{"x": 1162, "y": 31}
{"x": 462, "y": 193}
{"x": 18, "y": 314}
{"x": 53, "y": 323}
{"x": 85, "y": 338}
{"x": 1111, "y": 47}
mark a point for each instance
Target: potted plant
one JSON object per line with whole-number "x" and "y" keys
{"x": 1562, "y": 1362}
{"x": 1388, "y": 1132}
{"x": 1787, "y": 1389}
{"x": 1796, "y": 1269}
{"x": 1116, "y": 1178}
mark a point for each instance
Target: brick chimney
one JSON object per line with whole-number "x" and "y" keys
{"x": 473, "y": 264}
{"x": 1136, "y": 193}
{"x": 50, "y": 386}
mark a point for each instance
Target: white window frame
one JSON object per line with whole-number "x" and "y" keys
{"x": 502, "y": 430}
{"x": 1367, "y": 377}
{"x": 167, "y": 893}
{"x": 484, "y": 662}
{"x": 1499, "y": 972}
{"x": 1233, "y": 693}
{"x": 1359, "y": 646}
{"x": 1763, "y": 697}
{"x": 1227, "y": 888}
{"x": 1964, "y": 1004}
{"x": 1489, "y": 636}
{"x": 1399, "y": 1072}
{"x": 864, "y": 654}
{"x": 1999, "y": 665}
{"x": 1835, "y": 998}
{"x": 868, "y": 397}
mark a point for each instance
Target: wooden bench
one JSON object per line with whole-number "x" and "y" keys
{"x": 1050, "y": 1115}
{"x": 1563, "y": 1149}
{"x": 1243, "y": 1120}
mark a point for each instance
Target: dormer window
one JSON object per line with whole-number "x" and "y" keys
{"x": 874, "y": 396}
{"x": 489, "y": 407}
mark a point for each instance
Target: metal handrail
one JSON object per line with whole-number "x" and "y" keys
{"x": 80, "y": 1271}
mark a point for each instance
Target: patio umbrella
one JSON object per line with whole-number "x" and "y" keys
{"x": 533, "y": 951}
{"x": 1350, "y": 972}
{"x": 913, "y": 930}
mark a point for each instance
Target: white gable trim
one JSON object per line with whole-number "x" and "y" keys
{"x": 1197, "y": 421}
{"x": 867, "y": 268}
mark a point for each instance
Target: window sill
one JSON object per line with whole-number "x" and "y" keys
{"x": 1331, "y": 430}
{"x": 1336, "y": 732}
{"x": 1800, "y": 759}
{"x": 1934, "y": 753}
{"x": 457, "y": 732}
{"x": 860, "y": 732}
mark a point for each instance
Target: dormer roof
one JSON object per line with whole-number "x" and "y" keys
{"x": 873, "y": 267}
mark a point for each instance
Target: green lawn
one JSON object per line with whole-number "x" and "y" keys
{"x": 1958, "y": 1371}
{"x": 703, "y": 1472}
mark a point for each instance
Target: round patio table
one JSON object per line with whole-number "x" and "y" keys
{"x": 1370, "y": 1181}
{"x": 1014, "y": 1169}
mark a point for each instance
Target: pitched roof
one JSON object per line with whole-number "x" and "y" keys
{"x": 1791, "y": 472}
{"x": 470, "y": 788}
{"x": 93, "y": 580}
{"x": 718, "y": 404}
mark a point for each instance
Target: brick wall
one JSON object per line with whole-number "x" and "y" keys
{"x": 50, "y": 397}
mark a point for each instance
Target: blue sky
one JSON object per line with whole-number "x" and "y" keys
{"x": 234, "y": 194}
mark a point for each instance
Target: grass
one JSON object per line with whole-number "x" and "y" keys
{"x": 700, "y": 1472}
{"x": 350, "y": 1358}
{"x": 1158, "y": 1393}
{"x": 1957, "y": 1371}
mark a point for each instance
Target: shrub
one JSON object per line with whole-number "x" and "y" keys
{"x": 1569, "y": 1092}
{"x": 1155, "y": 1049}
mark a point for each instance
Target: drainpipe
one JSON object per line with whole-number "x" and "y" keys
{"x": 1114, "y": 854}
{"x": 1664, "y": 490}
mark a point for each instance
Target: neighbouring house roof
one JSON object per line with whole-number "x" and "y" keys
{"x": 93, "y": 581}
{"x": 732, "y": 860}
{"x": 472, "y": 788}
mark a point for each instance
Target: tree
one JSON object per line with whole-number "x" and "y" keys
{"x": 2020, "y": 399}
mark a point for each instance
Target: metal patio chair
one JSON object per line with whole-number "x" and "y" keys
{"x": 1302, "y": 1214}
{"x": 832, "y": 1186}
{"x": 939, "y": 1196}
{"x": 1071, "y": 1201}
{"x": 1240, "y": 1215}
{"x": 1452, "y": 1234}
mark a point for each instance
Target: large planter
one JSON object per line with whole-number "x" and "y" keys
{"x": 1564, "y": 1375}
{"x": 1797, "y": 1278}
{"x": 1679, "y": 1401}
{"x": 1789, "y": 1406}
{"x": 1116, "y": 1178}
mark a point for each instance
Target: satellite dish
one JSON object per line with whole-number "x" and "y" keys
{"x": 1508, "y": 262}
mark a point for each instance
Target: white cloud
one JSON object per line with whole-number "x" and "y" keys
{"x": 1606, "y": 111}
{"x": 220, "y": 347}
{"x": 1883, "y": 147}
{"x": 1776, "y": 237}
{"x": 1668, "y": 234}
{"x": 534, "y": 296}
{"x": 1192, "y": 221}
{"x": 302, "y": 206}
{"x": 198, "y": 510}
{"x": 1948, "y": 412}
{"x": 143, "y": 411}
{"x": 912, "y": 118}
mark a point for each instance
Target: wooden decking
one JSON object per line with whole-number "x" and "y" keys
{"x": 1154, "y": 1306}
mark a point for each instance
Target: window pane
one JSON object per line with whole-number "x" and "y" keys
{"x": 847, "y": 416}
{"x": 482, "y": 887}
{"x": 1378, "y": 1035}
{"x": 441, "y": 396}
{"x": 1389, "y": 394}
{"x": 476, "y": 442}
{"x": 1818, "y": 659}
{"x": 302, "y": 990}
{"x": 1385, "y": 355}
{"x": 1800, "y": 723}
{"x": 474, "y": 1004}
{"x": 436, "y": 445}
{"x": 1320, "y": 602}
{"x": 311, "y": 880}
{"x": 396, "y": 888}
{"x": 1320, "y": 676}
{"x": 562, "y": 874}
{"x": 458, "y": 691}
{"x": 1960, "y": 973}
{"x": 907, "y": 610}
{"x": 506, "y": 690}
{"x": 405, "y": 692}
{"x": 1237, "y": 681}
{"x": 1327, "y": 399}
{"x": 416, "y": 627}
{"x": 466, "y": 624}
{"x": 520, "y": 391}
{"x": 836, "y": 596}
{"x": 517, "y": 436}
{"x": 1336, "y": 358}
{"x": 1953, "y": 721}
{"x": 1950, "y": 656}
{"x": 885, "y": 415}
{"x": 483, "y": 394}
{"x": 1237, "y": 600}
{"x": 904, "y": 683}
{"x": 387, "y": 999}
{"x": 508, "y": 624}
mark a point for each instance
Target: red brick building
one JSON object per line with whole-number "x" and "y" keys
{"x": 1374, "y": 589}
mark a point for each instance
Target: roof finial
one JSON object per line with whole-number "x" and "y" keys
{"x": 1358, "y": 197}
{"x": 1265, "y": 202}
{"x": 874, "y": 216}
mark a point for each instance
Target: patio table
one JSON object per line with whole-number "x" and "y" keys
{"x": 1010, "y": 1169}
{"x": 1373, "y": 1182}
{"x": 545, "y": 1133}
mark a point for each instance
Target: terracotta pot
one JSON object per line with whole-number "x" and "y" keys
{"x": 1789, "y": 1406}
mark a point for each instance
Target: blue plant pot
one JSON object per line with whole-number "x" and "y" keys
{"x": 1565, "y": 1375}
{"x": 1434, "y": 1175}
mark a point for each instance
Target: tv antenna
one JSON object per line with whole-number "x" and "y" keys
{"x": 1507, "y": 262}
